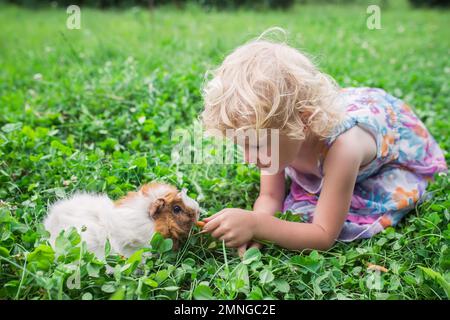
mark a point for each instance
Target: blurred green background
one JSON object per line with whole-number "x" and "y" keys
{"x": 94, "y": 109}
{"x": 220, "y": 4}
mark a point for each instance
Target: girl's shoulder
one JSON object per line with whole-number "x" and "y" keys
{"x": 358, "y": 143}
{"x": 374, "y": 112}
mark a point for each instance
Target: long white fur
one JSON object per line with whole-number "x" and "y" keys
{"x": 128, "y": 226}
{"x": 189, "y": 202}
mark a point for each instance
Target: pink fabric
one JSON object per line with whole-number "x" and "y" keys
{"x": 299, "y": 194}
{"x": 391, "y": 185}
{"x": 368, "y": 219}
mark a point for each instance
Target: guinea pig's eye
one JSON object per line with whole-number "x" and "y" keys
{"x": 177, "y": 209}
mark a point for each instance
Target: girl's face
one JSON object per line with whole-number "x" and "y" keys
{"x": 272, "y": 153}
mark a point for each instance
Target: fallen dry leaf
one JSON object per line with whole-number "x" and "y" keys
{"x": 372, "y": 266}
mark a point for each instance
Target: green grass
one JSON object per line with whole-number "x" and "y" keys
{"x": 101, "y": 118}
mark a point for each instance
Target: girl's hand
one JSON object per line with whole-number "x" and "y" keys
{"x": 246, "y": 246}
{"x": 234, "y": 226}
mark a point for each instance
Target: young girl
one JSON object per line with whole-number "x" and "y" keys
{"x": 358, "y": 158}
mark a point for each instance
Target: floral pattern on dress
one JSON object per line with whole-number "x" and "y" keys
{"x": 394, "y": 182}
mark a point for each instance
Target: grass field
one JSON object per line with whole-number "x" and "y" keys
{"x": 94, "y": 109}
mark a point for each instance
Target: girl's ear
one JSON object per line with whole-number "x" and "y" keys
{"x": 156, "y": 207}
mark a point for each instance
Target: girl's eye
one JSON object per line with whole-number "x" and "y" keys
{"x": 177, "y": 209}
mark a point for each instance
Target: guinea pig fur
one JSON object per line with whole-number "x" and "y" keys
{"x": 130, "y": 222}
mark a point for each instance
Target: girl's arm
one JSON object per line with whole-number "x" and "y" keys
{"x": 341, "y": 167}
{"x": 271, "y": 194}
{"x": 269, "y": 201}
{"x": 236, "y": 226}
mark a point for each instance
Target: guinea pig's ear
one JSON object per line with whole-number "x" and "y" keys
{"x": 156, "y": 207}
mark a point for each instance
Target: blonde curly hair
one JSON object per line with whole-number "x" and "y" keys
{"x": 268, "y": 84}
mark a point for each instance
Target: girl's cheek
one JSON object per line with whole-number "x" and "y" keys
{"x": 284, "y": 161}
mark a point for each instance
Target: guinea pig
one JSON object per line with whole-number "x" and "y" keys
{"x": 130, "y": 222}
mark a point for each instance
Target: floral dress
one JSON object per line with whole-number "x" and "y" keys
{"x": 391, "y": 184}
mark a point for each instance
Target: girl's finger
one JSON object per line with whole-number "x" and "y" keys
{"x": 256, "y": 245}
{"x": 223, "y": 238}
{"x": 219, "y": 232}
{"x": 215, "y": 215}
{"x": 211, "y": 225}
{"x": 241, "y": 250}
{"x": 231, "y": 244}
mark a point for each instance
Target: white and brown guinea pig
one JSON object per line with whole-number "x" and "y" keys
{"x": 130, "y": 222}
